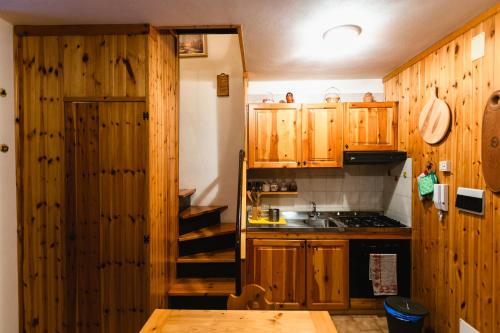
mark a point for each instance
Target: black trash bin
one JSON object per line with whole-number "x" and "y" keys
{"x": 404, "y": 315}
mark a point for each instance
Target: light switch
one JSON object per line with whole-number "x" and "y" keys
{"x": 445, "y": 166}
{"x": 477, "y": 46}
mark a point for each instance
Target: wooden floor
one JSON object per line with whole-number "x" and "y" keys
{"x": 360, "y": 323}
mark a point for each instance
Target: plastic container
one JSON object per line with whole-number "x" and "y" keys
{"x": 404, "y": 315}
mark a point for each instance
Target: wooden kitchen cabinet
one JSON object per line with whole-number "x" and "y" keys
{"x": 274, "y": 135}
{"x": 278, "y": 266}
{"x": 327, "y": 272}
{"x": 322, "y": 135}
{"x": 370, "y": 126}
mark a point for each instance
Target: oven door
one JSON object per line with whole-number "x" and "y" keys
{"x": 360, "y": 286}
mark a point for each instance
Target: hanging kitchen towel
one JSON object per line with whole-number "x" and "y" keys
{"x": 383, "y": 274}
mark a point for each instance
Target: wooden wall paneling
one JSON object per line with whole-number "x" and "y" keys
{"x": 81, "y": 29}
{"x": 40, "y": 184}
{"x": 122, "y": 138}
{"x": 105, "y": 65}
{"x": 163, "y": 164}
{"x": 455, "y": 261}
{"x": 496, "y": 199}
{"x": 83, "y": 215}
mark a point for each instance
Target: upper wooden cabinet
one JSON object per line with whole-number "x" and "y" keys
{"x": 315, "y": 135}
{"x": 278, "y": 266}
{"x": 322, "y": 135}
{"x": 327, "y": 274}
{"x": 274, "y": 135}
{"x": 371, "y": 126}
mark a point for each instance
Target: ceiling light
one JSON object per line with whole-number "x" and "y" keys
{"x": 342, "y": 34}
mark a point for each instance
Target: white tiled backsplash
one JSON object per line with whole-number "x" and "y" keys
{"x": 363, "y": 187}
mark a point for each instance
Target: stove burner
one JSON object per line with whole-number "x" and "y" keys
{"x": 370, "y": 221}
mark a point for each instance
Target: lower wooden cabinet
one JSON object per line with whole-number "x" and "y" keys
{"x": 327, "y": 269}
{"x": 288, "y": 272}
{"x": 278, "y": 266}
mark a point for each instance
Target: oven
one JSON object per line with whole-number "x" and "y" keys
{"x": 360, "y": 286}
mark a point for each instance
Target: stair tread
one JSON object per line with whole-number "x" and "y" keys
{"x": 202, "y": 287}
{"x": 221, "y": 256}
{"x": 186, "y": 192}
{"x": 194, "y": 211}
{"x": 213, "y": 230}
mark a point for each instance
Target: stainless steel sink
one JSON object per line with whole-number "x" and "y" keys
{"x": 302, "y": 219}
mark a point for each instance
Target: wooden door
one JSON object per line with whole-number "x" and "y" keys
{"x": 322, "y": 135}
{"x": 371, "y": 126}
{"x": 274, "y": 135}
{"x": 106, "y": 170}
{"x": 278, "y": 266}
{"x": 327, "y": 274}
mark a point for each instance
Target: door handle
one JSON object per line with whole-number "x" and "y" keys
{"x": 4, "y": 148}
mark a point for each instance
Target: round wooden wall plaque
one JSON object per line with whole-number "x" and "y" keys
{"x": 490, "y": 142}
{"x": 434, "y": 120}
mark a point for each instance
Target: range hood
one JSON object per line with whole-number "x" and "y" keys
{"x": 373, "y": 157}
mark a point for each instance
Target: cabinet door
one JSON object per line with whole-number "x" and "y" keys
{"x": 322, "y": 135}
{"x": 371, "y": 126}
{"x": 106, "y": 177}
{"x": 327, "y": 274}
{"x": 274, "y": 135}
{"x": 278, "y": 266}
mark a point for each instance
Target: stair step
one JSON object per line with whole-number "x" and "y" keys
{"x": 222, "y": 256}
{"x": 186, "y": 192}
{"x": 195, "y": 211}
{"x": 213, "y": 230}
{"x": 202, "y": 287}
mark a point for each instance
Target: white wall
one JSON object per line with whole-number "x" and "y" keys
{"x": 9, "y": 321}
{"x": 211, "y": 127}
{"x": 313, "y": 91}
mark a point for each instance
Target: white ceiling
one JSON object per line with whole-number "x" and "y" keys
{"x": 282, "y": 38}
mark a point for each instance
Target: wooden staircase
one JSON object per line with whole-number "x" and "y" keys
{"x": 205, "y": 262}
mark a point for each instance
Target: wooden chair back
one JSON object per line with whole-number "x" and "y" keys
{"x": 253, "y": 297}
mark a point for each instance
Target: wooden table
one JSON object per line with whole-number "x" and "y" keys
{"x": 240, "y": 321}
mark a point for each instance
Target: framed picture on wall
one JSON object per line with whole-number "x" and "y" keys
{"x": 193, "y": 46}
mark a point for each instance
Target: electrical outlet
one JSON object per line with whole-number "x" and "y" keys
{"x": 465, "y": 327}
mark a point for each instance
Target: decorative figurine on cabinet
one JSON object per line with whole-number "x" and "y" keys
{"x": 289, "y": 98}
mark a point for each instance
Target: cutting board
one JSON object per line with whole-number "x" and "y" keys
{"x": 266, "y": 221}
{"x": 490, "y": 142}
{"x": 434, "y": 120}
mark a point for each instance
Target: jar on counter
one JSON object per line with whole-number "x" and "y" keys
{"x": 292, "y": 187}
{"x": 266, "y": 187}
{"x": 274, "y": 186}
{"x": 283, "y": 186}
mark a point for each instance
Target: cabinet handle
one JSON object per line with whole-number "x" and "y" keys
{"x": 298, "y": 162}
{"x": 305, "y": 162}
{"x": 346, "y": 146}
{"x": 4, "y": 148}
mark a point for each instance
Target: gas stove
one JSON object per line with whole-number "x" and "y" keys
{"x": 366, "y": 220}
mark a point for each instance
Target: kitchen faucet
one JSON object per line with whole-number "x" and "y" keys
{"x": 314, "y": 213}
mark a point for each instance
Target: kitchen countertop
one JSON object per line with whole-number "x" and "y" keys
{"x": 298, "y": 227}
